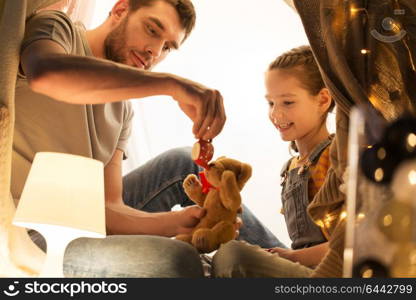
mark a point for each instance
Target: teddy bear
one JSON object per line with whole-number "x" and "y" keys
{"x": 222, "y": 201}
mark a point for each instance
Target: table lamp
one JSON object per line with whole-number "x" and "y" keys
{"x": 63, "y": 199}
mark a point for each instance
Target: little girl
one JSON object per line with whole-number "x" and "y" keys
{"x": 298, "y": 106}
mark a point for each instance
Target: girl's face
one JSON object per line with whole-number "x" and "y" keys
{"x": 292, "y": 109}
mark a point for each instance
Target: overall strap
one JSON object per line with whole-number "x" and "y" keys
{"x": 285, "y": 167}
{"x": 284, "y": 170}
{"x": 316, "y": 153}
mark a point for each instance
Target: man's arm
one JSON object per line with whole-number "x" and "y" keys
{"x": 122, "y": 219}
{"x": 88, "y": 80}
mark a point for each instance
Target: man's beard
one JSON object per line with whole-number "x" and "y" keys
{"x": 115, "y": 42}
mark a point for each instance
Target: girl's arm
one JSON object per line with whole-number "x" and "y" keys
{"x": 309, "y": 257}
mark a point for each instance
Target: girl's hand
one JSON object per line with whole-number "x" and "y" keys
{"x": 285, "y": 253}
{"x": 237, "y": 225}
{"x": 309, "y": 257}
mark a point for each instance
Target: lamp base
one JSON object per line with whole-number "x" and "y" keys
{"x": 57, "y": 239}
{"x": 57, "y": 242}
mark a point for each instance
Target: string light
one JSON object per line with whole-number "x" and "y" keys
{"x": 387, "y": 220}
{"x": 412, "y": 177}
{"x": 411, "y": 140}
{"x": 379, "y": 174}
{"x": 404, "y": 261}
{"x": 395, "y": 221}
{"x": 361, "y": 216}
{"x": 381, "y": 153}
{"x": 355, "y": 10}
{"x": 370, "y": 268}
{"x": 368, "y": 273}
{"x": 375, "y": 102}
{"x": 328, "y": 220}
{"x": 320, "y": 223}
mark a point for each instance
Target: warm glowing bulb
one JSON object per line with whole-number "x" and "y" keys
{"x": 361, "y": 216}
{"x": 368, "y": 273}
{"x": 404, "y": 181}
{"x": 395, "y": 221}
{"x": 355, "y": 10}
{"x": 320, "y": 223}
{"x": 403, "y": 263}
{"x": 379, "y": 174}
{"x": 328, "y": 219}
{"x": 411, "y": 140}
{"x": 365, "y": 51}
{"x": 387, "y": 220}
{"x": 381, "y": 153}
{"x": 412, "y": 177}
{"x": 343, "y": 215}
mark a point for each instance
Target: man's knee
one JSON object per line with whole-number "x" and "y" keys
{"x": 182, "y": 259}
{"x": 181, "y": 160}
{"x": 180, "y": 155}
{"x": 132, "y": 256}
{"x": 228, "y": 260}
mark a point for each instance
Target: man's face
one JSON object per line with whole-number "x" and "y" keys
{"x": 146, "y": 36}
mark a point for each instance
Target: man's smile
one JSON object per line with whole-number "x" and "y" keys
{"x": 137, "y": 60}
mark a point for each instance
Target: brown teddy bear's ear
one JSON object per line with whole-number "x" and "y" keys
{"x": 244, "y": 175}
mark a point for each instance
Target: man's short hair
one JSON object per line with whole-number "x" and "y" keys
{"x": 184, "y": 8}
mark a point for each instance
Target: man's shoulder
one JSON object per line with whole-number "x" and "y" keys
{"x": 53, "y": 14}
{"x": 52, "y": 25}
{"x": 50, "y": 16}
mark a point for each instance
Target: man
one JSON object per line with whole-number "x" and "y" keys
{"x": 69, "y": 98}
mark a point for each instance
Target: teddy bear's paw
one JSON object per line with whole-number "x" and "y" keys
{"x": 191, "y": 183}
{"x": 203, "y": 240}
{"x": 187, "y": 238}
{"x": 193, "y": 189}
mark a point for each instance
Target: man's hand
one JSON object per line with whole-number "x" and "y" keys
{"x": 202, "y": 105}
{"x": 184, "y": 220}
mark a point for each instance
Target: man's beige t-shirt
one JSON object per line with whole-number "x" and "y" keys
{"x": 44, "y": 124}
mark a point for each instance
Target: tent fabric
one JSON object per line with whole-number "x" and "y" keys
{"x": 18, "y": 255}
{"x": 362, "y": 64}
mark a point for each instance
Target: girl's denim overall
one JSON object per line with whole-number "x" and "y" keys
{"x": 302, "y": 230}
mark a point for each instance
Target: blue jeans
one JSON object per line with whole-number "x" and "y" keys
{"x": 156, "y": 186}
{"x": 140, "y": 256}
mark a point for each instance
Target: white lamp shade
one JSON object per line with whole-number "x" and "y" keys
{"x": 63, "y": 199}
{"x": 64, "y": 190}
